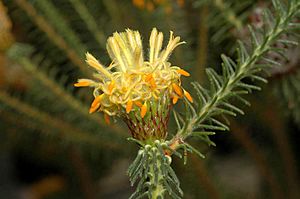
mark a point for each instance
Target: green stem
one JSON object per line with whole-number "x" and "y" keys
{"x": 158, "y": 188}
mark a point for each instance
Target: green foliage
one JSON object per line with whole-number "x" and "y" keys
{"x": 65, "y": 30}
{"x": 56, "y": 19}
{"x": 226, "y": 17}
{"x": 232, "y": 83}
{"x": 154, "y": 172}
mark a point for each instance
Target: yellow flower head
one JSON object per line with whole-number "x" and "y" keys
{"x": 131, "y": 83}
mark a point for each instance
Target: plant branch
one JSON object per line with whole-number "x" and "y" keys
{"x": 233, "y": 73}
{"x": 65, "y": 129}
{"x": 89, "y": 21}
{"x": 42, "y": 23}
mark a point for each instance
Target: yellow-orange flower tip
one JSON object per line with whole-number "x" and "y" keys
{"x": 107, "y": 119}
{"x": 183, "y": 72}
{"x": 82, "y": 84}
{"x": 96, "y": 101}
{"x": 94, "y": 108}
{"x": 177, "y": 89}
{"x": 129, "y": 106}
{"x": 188, "y": 96}
{"x": 144, "y": 110}
{"x": 175, "y": 99}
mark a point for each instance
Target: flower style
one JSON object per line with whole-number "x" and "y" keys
{"x": 137, "y": 90}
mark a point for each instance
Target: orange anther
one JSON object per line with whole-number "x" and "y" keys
{"x": 149, "y": 78}
{"x": 153, "y": 84}
{"x": 177, "y": 89}
{"x": 94, "y": 108}
{"x": 96, "y": 101}
{"x": 175, "y": 99}
{"x": 183, "y": 72}
{"x": 82, "y": 84}
{"x": 129, "y": 106}
{"x": 144, "y": 110}
{"x": 188, "y": 96}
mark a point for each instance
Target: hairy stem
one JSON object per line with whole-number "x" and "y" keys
{"x": 158, "y": 188}
{"x": 153, "y": 171}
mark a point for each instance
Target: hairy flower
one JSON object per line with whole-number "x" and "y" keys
{"x": 131, "y": 87}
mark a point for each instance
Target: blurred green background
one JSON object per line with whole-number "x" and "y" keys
{"x": 50, "y": 147}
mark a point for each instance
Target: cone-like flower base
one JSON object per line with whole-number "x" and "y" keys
{"x": 154, "y": 125}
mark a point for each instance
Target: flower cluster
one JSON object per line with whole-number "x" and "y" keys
{"x": 132, "y": 85}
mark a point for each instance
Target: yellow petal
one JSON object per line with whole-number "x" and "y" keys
{"x": 144, "y": 110}
{"x": 183, "y": 72}
{"x": 175, "y": 99}
{"x": 129, "y": 106}
{"x": 92, "y": 61}
{"x": 177, "y": 89}
{"x": 188, "y": 96}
